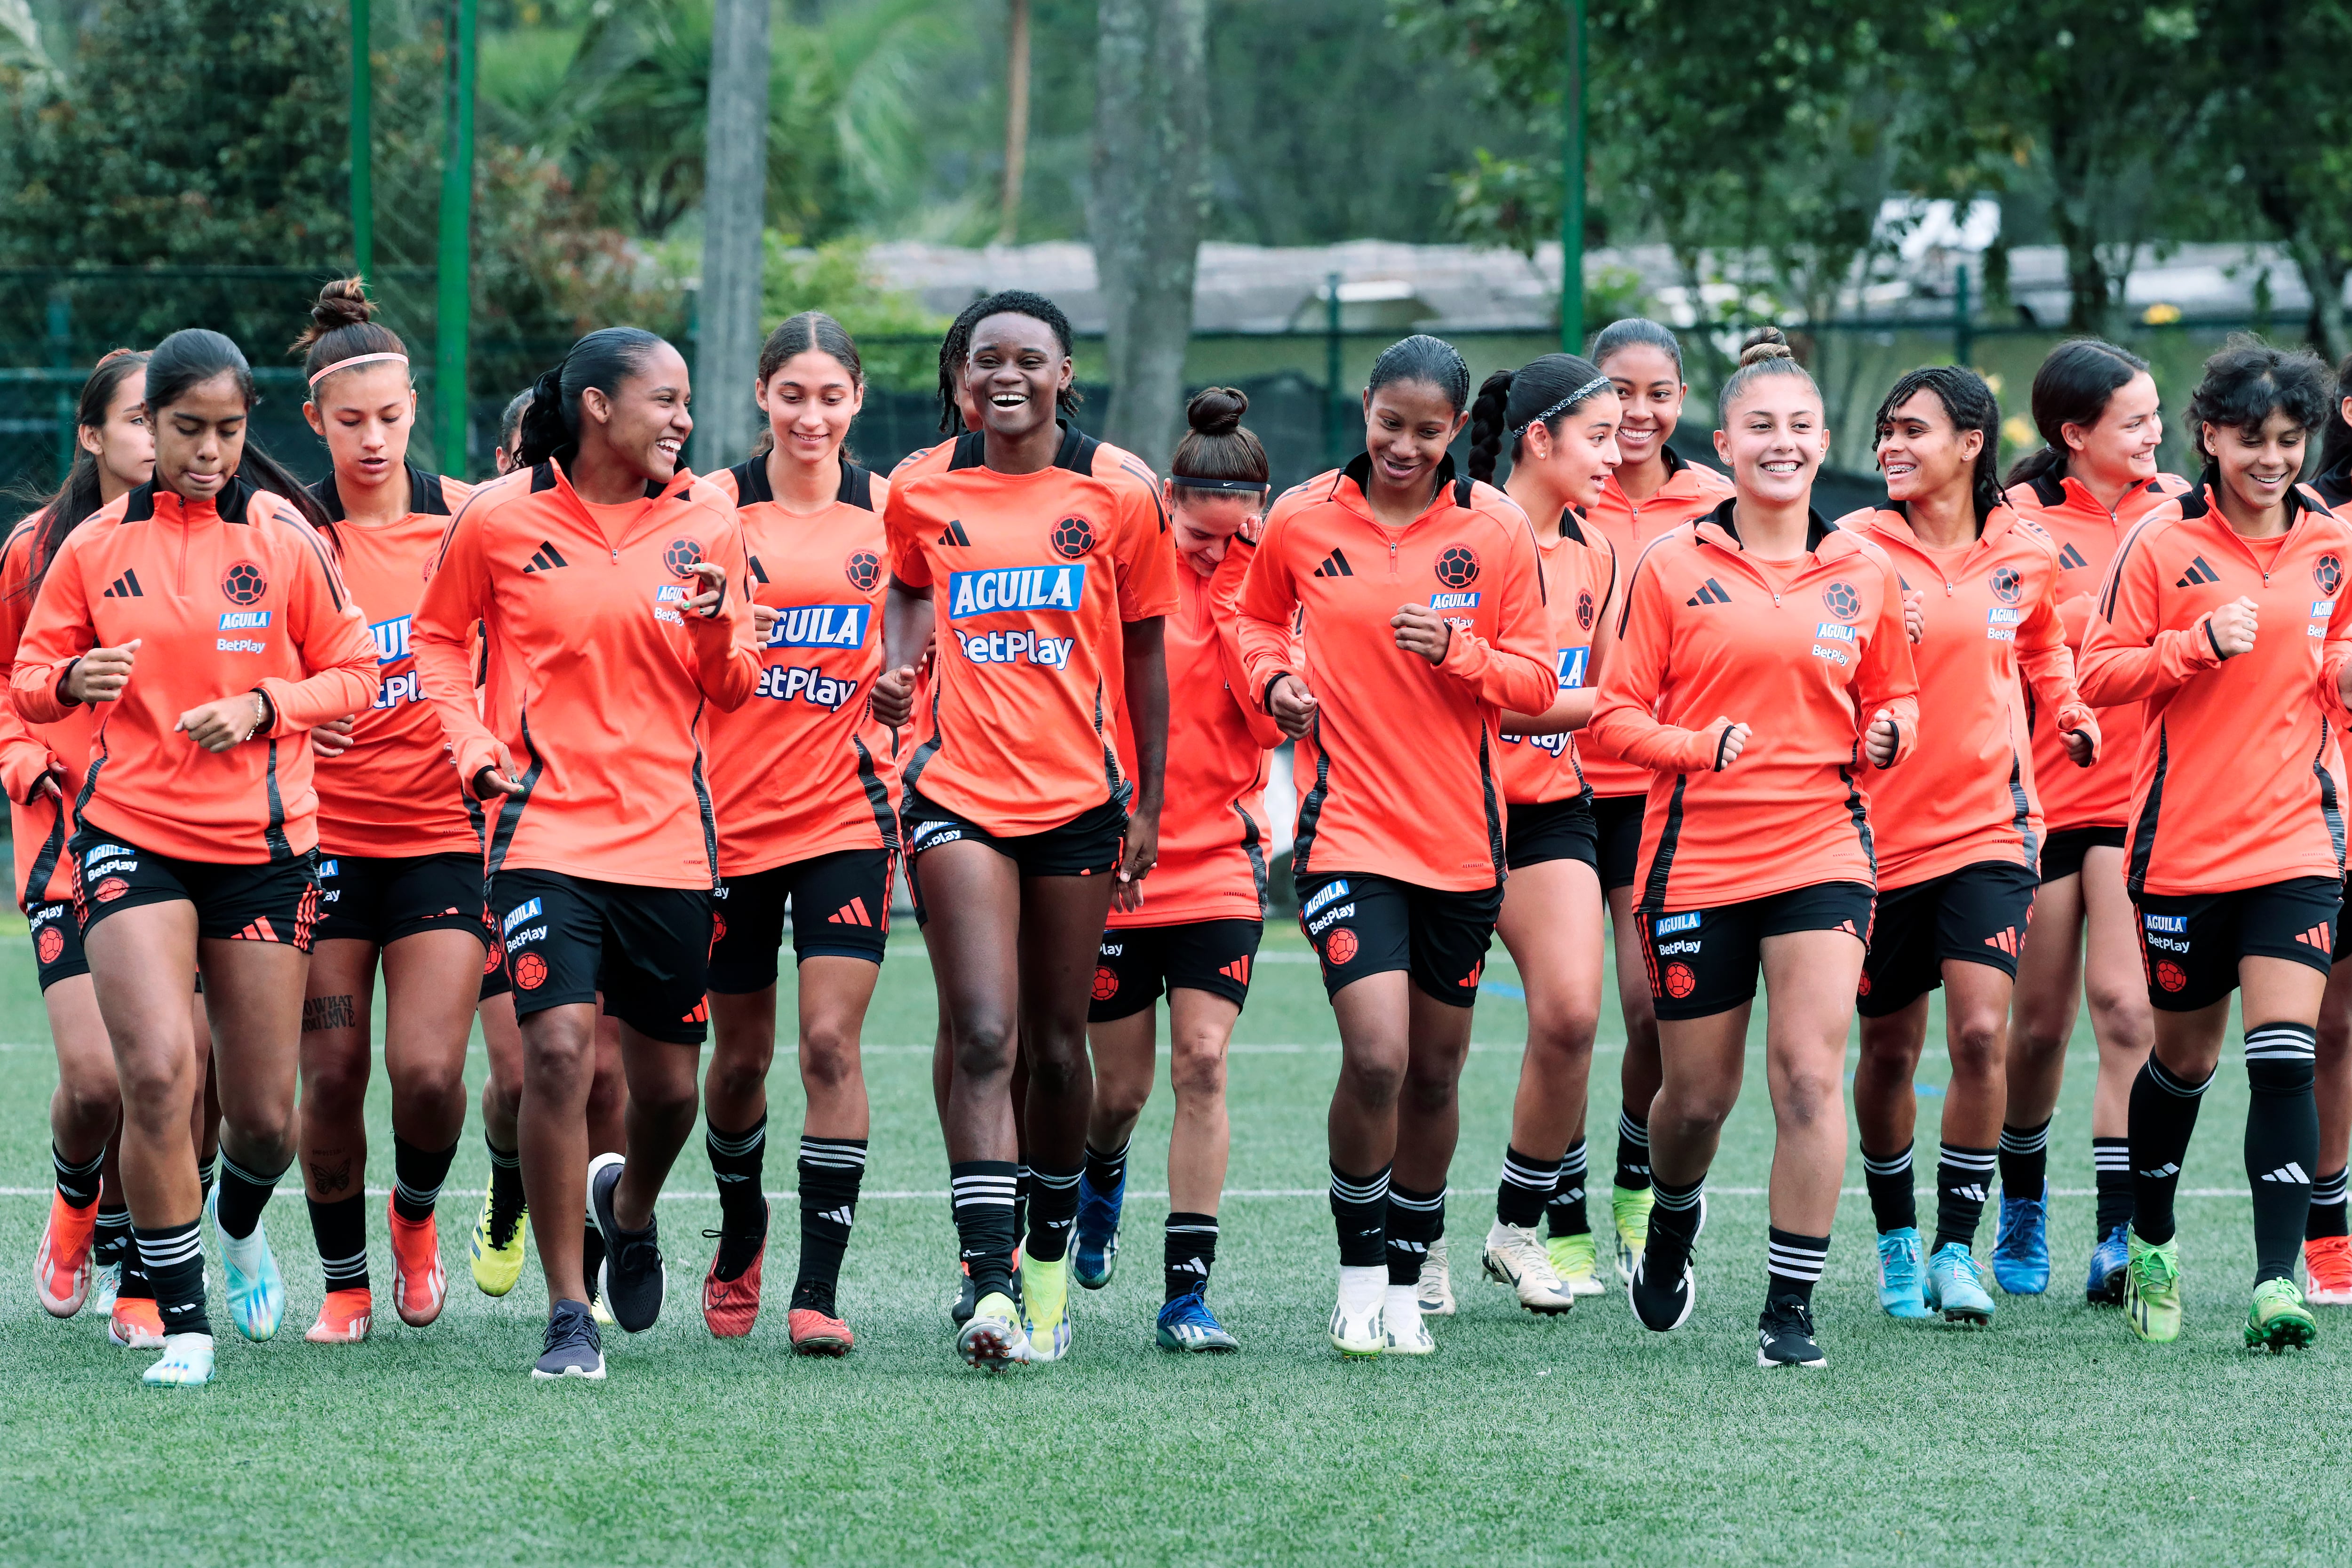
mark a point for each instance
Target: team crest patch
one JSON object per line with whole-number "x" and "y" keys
{"x": 2006, "y": 584}
{"x": 1457, "y": 566}
{"x": 1841, "y": 601}
{"x": 2328, "y": 573}
{"x": 244, "y": 583}
{"x": 1073, "y": 537}
{"x": 864, "y": 569}
{"x": 682, "y": 556}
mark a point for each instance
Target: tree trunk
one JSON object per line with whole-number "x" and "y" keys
{"x": 734, "y": 210}
{"x": 1148, "y": 207}
{"x": 1016, "y": 119}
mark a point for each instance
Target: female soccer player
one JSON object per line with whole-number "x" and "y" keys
{"x": 801, "y": 786}
{"x": 1957, "y": 834}
{"x": 2327, "y": 1250}
{"x": 1651, "y": 491}
{"x": 2223, "y": 613}
{"x": 1195, "y": 934}
{"x": 1050, "y": 578}
{"x": 204, "y": 610}
{"x": 1561, "y": 414}
{"x": 1760, "y": 670}
{"x": 613, "y": 592}
{"x": 402, "y": 885}
{"x": 2092, "y": 480}
{"x": 1421, "y": 598}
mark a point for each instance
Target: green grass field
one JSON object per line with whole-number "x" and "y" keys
{"x": 2054, "y": 1437}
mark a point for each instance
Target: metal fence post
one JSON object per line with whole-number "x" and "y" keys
{"x": 362, "y": 186}
{"x": 1571, "y": 188}
{"x": 60, "y": 325}
{"x": 453, "y": 308}
{"x": 1963, "y": 335}
{"x": 1331, "y": 347}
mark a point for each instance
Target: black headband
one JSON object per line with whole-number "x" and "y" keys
{"x": 1186, "y": 482}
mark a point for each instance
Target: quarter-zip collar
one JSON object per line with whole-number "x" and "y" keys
{"x": 550, "y": 476}
{"x": 1721, "y": 527}
{"x": 2201, "y": 508}
{"x": 153, "y": 501}
{"x": 1894, "y": 523}
{"x": 2066, "y": 489}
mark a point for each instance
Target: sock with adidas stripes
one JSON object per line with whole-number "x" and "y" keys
{"x": 76, "y": 1183}
{"x": 1415, "y": 1221}
{"x": 2111, "y": 1166}
{"x": 1673, "y": 1224}
{"x": 1024, "y": 1184}
{"x": 983, "y": 1193}
{"x": 2328, "y": 1215}
{"x": 1527, "y": 1184}
{"x": 2282, "y": 1142}
{"x": 830, "y": 1171}
{"x": 340, "y": 1229}
{"x": 1564, "y": 1210}
{"x": 2024, "y": 1160}
{"x": 738, "y": 1162}
{"x": 1887, "y": 1179}
{"x": 1106, "y": 1173}
{"x": 1963, "y": 1180}
{"x": 1359, "y": 1209}
{"x": 1633, "y": 1151}
{"x": 416, "y": 1178}
{"x": 1188, "y": 1252}
{"x": 243, "y": 1195}
{"x": 1793, "y": 1263}
{"x": 1052, "y": 1211}
{"x": 204, "y": 1174}
{"x": 112, "y": 1243}
{"x": 174, "y": 1259}
{"x": 2163, "y": 1116}
{"x": 506, "y": 1191}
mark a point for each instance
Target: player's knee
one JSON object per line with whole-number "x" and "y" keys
{"x": 1977, "y": 1047}
{"x": 1197, "y": 1070}
{"x": 984, "y": 1049}
{"x": 1563, "y": 1032}
{"x": 828, "y": 1061}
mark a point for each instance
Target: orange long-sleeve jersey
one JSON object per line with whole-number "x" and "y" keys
{"x": 2087, "y": 535}
{"x": 1580, "y": 572}
{"x": 598, "y": 675}
{"x": 1806, "y": 653}
{"x": 1404, "y": 758}
{"x": 1991, "y": 612}
{"x": 394, "y": 792}
{"x": 809, "y": 771}
{"x": 2233, "y": 788}
{"x": 234, "y": 594}
{"x": 31, "y": 752}
{"x": 1032, "y": 578}
{"x": 1691, "y": 492}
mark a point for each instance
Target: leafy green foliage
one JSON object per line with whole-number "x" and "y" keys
{"x": 898, "y": 339}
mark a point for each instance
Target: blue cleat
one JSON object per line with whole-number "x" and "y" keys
{"x": 251, "y": 1278}
{"x": 1187, "y": 1324}
{"x": 1094, "y": 1249}
{"x": 1901, "y": 1290}
{"x": 1955, "y": 1286}
{"x": 2020, "y": 1244}
{"x": 2110, "y": 1261}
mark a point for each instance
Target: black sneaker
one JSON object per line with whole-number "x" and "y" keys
{"x": 633, "y": 1281}
{"x": 965, "y": 1299}
{"x": 591, "y": 1263}
{"x": 573, "y": 1348}
{"x": 1784, "y": 1334}
{"x": 1663, "y": 1304}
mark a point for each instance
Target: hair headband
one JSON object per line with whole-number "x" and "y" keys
{"x": 1186, "y": 482}
{"x": 355, "y": 359}
{"x": 1564, "y": 405}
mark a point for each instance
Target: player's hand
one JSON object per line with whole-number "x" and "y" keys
{"x": 713, "y": 598}
{"x": 1421, "y": 630}
{"x": 894, "y": 696}
{"x": 1291, "y": 706}
{"x": 499, "y": 779}
{"x": 763, "y": 622}
{"x": 1880, "y": 741}
{"x": 230, "y": 722}
{"x": 332, "y": 739}
{"x": 2233, "y": 627}
{"x": 100, "y": 675}
{"x": 2082, "y": 750}
{"x": 1729, "y": 743}
{"x": 1135, "y": 859}
{"x": 50, "y": 786}
{"x": 1914, "y": 615}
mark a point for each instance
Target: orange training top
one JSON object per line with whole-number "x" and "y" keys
{"x": 234, "y": 594}
{"x": 598, "y": 675}
{"x": 809, "y": 771}
{"x": 1580, "y": 570}
{"x": 1404, "y": 755}
{"x": 1805, "y": 652}
{"x": 1031, "y": 576}
{"x": 394, "y": 794}
{"x": 2087, "y": 534}
{"x": 38, "y": 830}
{"x": 2233, "y": 789}
{"x": 1991, "y": 610}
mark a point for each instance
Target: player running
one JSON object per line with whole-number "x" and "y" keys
{"x": 612, "y": 589}
{"x": 1420, "y": 595}
{"x": 1195, "y": 932}
{"x": 1760, "y": 669}
{"x": 801, "y": 785}
{"x": 1050, "y": 575}
{"x": 1958, "y": 833}
{"x": 1561, "y": 414}
{"x": 196, "y": 824}
{"x": 2224, "y": 613}
{"x": 2327, "y": 1250}
{"x": 2094, "y": 478}
{"x": 1650, "y": 492}
{"x": 406, "y": 885}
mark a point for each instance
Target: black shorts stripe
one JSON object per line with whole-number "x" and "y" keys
{"x": 927, "y": 750}
{"x": 702, "y": 796}
{"x": 877, "y": 795}
{"x": 1861, "y": 815}
{"x": 280, "y": 846}
{"x": 510, "y": 809}
{"x": 1493, "y": 803}
{"x": 2330, "y": 811}
{"x": 2142, "y": 842}
{"x": 45, "y": 865}
{"x": 1654, "y": 895}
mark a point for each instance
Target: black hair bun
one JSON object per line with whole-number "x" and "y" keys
{"x": 1216, "y": 410}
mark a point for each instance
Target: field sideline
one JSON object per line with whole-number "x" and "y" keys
{"x": 2054, "y": 1437}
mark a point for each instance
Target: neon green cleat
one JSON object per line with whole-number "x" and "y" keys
{"x": 496, "y": 1266}
{"x": 2152, "y": 1290}
{"x": 2278, "y": 1320}
{"x": 1630, "y": 1206}
{"x": 1577, "y": 1262}
{"x": 1046, "y": 1307}
{"x": 992, "y": 1338}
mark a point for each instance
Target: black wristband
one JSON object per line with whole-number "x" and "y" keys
{"x": 2214, "y": 640}
{"x": 1720, "y": 741}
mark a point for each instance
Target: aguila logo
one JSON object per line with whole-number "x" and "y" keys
{"x": 1584, "y": 610}
{"x": 682, "y": 556}
{"x": 1073, "y": 537}
{"x": 1841, "y": 601}
{"x": 1457, "y": 566}
{"x": 865, "y": 569}
{"x": 2328, "y": 573}
{"x": 245, "y": 584}
{"x": 2006, "y": 584}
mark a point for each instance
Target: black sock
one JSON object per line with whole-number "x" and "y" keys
{"x": 416, "y": 1178}
{"x": 1359, "y": 1208}
{"x": 1564, "y": 1210}
{"x": 830, "y": 1172}
{"x": 1416, "y": 1220}
{"x": 592, "y": 1259}
{"x": 174, "y": 1259}
{"x": 1674, "y": 1222}
{"x": 2024, "y": 1160}
{"x": 1963, "y": 1181}
{"x": 2163, "y": 1115}
{"x": 341, "y": 1230}
{"x": 205, "y": 1168}
{"x": 1190, "y": 1251}
{"x": 1052, "y": 1211}
{"x": 1106, "y": 1173}
{"x": 1633, "y": 1151}
{"x": 113, "y": 1238}
{"x": 77, "y": 1184}
{"x": 1528, "y": 1183}
{"x": 2327, "y": 1217}
{"x": 506, "y": 1191}
{"x": 1887, "y": 1178}
{"x": 2281, "y": 1143}
{"x": 736, "y": 1161}
{"x": 983, "y": 1190}
{"x": 2111, "y": 1165}
{"x": 1793, "y": 1263}
{"x": 243, "y": 1195}
{"x": 1024, "y": 1184}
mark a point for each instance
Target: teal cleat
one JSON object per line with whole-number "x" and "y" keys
{"x": 1900, "y": 1286}
{"x": 187, "y": 1363}
{"x": 1955, "y": 1286}
{"x": 2020, "y": 1244}
{"x": 250, "y": 1275}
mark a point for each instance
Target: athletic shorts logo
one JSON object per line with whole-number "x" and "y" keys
{"x": 491, "y": 960}
{"x": 1105, "y": 984}
{"x": 110, "y": 890}
{"x": 52, "y": 944}
{"x": 1326, "y": 894}
{"x": 327, "y": 869}
{"x": 682, "y": 556}
{"x": 2170, "y": 975}
{"x": 530, "y": 971}
{"x": 1457, "y": 566}
{"x": 1843, "y": 602}
{"x": 822, "y": 625}
{"x": 1669, "y": 924}
{"x": 1584, "y": 609}
{"x": 529, "y": 909}
{"x": 1863, "y": 988}
{"x": 864, "y": 569}
{"x": 259, "y": 620}
{"x": 244, "y": 583}
{"x": 2006, "y": 584}
{"x": 1004, "y": 588}
{"x": 1073, "y": 537}
{"x": 2175, "y": 925}
{"x": 1680, "y": 981}
{"x": 1340, "y": 946}
{"x": 2328, "y": 573}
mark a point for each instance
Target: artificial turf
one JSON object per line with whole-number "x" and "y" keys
{"x": 2052, "y": 1437}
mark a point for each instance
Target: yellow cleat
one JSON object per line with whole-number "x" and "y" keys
{"x": 496, "y": 1266}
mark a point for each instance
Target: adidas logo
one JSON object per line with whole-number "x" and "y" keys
{"x": 2070, "y": 558}
{"x": 1974, "y": 1192}
{"x": 1711, "y": 593}
{"x": 125, "y": 587}
{"x": 1335, "y": 565}
{"x": 2167, "y": 1169}
{"x": 2005, "y": 940}
{"x": 844, "y": 1216}
{"x": 1470, "y": 979}
{"x": 258, "y": 929}
{"x": 2290, "y": 1175}
{"x": 852, "y": 914}
{"x": 546, "y": 558}
{"x": 2318, "y": 937}
{"x": 953, "y": 533}
{"x": 1237, "y": 970}
{"x": 701, "y": 1013}
{"x": 2198, "y": 573}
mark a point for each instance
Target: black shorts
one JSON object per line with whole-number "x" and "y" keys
{"x": 57, "y": 942}
{"x": 1705, "y": 962}
{"x": 1553, "y": 830}
{"x": 1136, "y": 962}
{"x": 2189, "y": 943}
{"x": 381, "y": 899}
{"x": 841, "y": 908}
{"x": 2063, "y": 851}
{"x": 1976, "y": 914}
{"x": 276, "y": 900}
{"x": 1086, "y": 845}
{"x": 1617, "y": 826}
{"x": 1364, "y": 925}
{"x": 647, "y": 949}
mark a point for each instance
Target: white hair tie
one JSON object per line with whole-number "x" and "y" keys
{"x": 355, "y": 359}
{"x": 1564, "y": 405}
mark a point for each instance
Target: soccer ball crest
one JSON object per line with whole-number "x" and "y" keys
{"x": 865, "y": 569}
{"x": 2328, "y": 573}
{"x": 2006, "y": 584}
{"x": 1584, "y": 610}
{"x": 1841, "y": 601}
{"x": 682, "y": 556}
{"x": 244, "y": 583}
{"x": 1457, "y": 566}
{"x": 1073, "y": 537}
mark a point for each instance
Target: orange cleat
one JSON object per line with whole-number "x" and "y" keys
{"x": 731, "y": 1306}
{"x": 344, "y": 1317}
{"x": 419, "y": 1286}
{"x": 61, "y": 1267}
{"x": 137, "y": 1323}
{"x": 814, "y": 1334}
{"x": 2327, "y": 1271}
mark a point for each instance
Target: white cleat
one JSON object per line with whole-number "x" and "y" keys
{"x": 1356, "y": 1329}
{"x": 1402, "y": 1332}
{"x": 250, "y": 1280}
{"x": 187, "y": 1363}
{"x": 1514, "y": 1256}
{"x": 1434, "y": 1295}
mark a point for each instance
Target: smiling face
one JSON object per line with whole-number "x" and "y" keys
{"x": 365, "y": 416}
{"x": 645, "y": 421}
{"x": 200, "y": 438}
{"x": 1574, "y": 462}
{"x": 810, "y": 402}
{"x": 2257, "y": 463}
{"x": 1651, "y": 387}
{"x": 1016, "y": 373}
{"x": 123, "y": 446}
{"x": 1773, "y": 440}
{"x": 2119, "y": 450}
{"x": 1203, "y": 523}
{"x": 1920, "y": 450}
{"x": 1408, "y": 424}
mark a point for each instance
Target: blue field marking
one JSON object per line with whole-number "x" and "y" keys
{"x": 1502, "y": 988}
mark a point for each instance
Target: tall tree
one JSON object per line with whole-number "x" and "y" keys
{"x": 1016, "y": 119}
{"x": 734, "y": 214}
